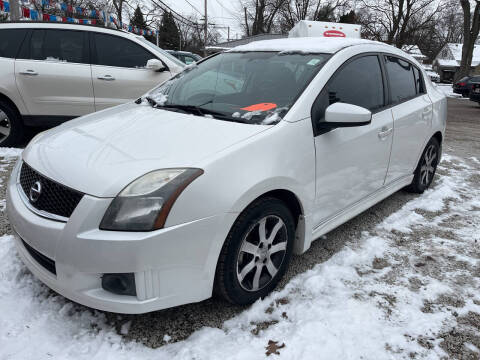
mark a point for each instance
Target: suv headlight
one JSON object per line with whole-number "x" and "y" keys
{"x": 145, "y": 203}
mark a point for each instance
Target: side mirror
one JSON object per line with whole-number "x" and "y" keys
{"x": 156, "y": 65}
{"x": 346, "y": 115}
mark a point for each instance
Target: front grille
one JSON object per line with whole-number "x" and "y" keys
{"x": 52, "y": 198}
{"x": 46, "y": 262}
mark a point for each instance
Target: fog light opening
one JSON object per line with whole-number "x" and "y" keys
{"x": 120, "y": 284}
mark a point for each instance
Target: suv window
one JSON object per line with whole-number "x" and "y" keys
{"x": 57, "y": 45}
{"x": 119, "y": 52}
{"x": 401, "y": 78}
{"x": 359, "y": 82}
{"x": 11, "y": 41}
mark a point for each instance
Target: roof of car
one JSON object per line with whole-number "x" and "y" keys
{"x": 44, "y": 24}
{"x": 328, "y": 45}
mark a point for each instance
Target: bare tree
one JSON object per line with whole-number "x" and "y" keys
{"x": 293, "y": 11}
{"x": 471, "y": 28}
{"x": 396, "y": 21}
{"x": 262, "y": 15}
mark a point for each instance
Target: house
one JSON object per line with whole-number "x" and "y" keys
{"x": 448, "y": 61}
{"x": 415, "y": 52}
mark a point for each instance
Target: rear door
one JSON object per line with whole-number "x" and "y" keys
{"x": 412, "y": 113}
{"x": 351, "y": 163}
{"x": 118, "y": 70}
{"x": 53, "y": 73}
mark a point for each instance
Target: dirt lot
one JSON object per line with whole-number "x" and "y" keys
{"x": 413, "y": 261}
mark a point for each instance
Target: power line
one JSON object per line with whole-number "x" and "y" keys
{"x": 193, "y": 7}
{"x": 175, "y": 14}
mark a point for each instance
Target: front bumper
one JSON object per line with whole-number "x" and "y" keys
{"x": 172, "y": 266}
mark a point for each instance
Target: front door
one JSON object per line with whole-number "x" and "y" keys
{"x": 351, "y": 163}
{"x": 118, "y": 70}
{"x": 53, "y": 73}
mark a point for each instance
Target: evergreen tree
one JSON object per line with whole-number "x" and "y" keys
{"x": 169, "y": 36}
{"x": 138, "y": 20}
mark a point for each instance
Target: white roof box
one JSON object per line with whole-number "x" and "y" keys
{"x": 306, "y": 28}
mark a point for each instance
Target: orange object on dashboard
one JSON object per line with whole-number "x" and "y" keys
{"x": 260, "y": 107}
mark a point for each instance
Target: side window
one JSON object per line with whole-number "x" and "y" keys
{"x": 401, "y": 79}
{"x": 420, "y": 85}
{"x": 119, "y": 52}
{"x": 57, "y": 45}
{"x": 359, "y": 82}
{"x": 11, "y": 41}
{"x": 189, "y": 60}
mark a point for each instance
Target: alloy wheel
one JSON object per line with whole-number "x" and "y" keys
{"x": 4, "y": 126}
{"x": 262, "y": 253}
{"x": 427, "y": 169}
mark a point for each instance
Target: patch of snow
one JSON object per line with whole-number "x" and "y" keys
{"x": 10, "y": 152}
{"x": 448, "y": 91}
{"x": 125, "y": 328}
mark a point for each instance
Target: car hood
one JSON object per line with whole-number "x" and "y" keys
{"x": 101, "y": 153}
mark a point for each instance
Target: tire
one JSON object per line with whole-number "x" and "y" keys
{"x": 11, "y": 125}
{"x": 238, "y": 278}
{"x": 426, "y": 168}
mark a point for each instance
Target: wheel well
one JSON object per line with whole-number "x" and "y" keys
{"x": 6, "y": 99}
{"x": 438, "y": 136}
{"x": 290, "y": 199}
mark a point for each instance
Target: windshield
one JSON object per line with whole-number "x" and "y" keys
{"x": 166, "y": 54}
{"x": 250, "y": 87}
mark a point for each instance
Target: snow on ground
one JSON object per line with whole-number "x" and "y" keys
{"x": 448, "y": 91}
{"x": 398, "y": 292}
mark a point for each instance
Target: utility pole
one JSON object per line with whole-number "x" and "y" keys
{"x": 228, "y": 37}
{"x": 14, "y": 10}
{"x": 205, "y": 29}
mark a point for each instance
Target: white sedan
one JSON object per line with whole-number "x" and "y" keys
{"x": 212, "y": 180}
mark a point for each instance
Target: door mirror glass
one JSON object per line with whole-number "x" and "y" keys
{"x": 156, "y": 65}
{"x": 346, "y": 115}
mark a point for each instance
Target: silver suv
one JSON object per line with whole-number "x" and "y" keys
{"x": 50, "y": 73}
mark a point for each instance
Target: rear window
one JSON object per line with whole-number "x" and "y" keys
{"x": 401, "y": 78}
{"x": 475, "y": 79}
{"x": 10, "y": 41}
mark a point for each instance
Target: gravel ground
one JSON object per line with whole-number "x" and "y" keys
{"x": 462, "y": 140}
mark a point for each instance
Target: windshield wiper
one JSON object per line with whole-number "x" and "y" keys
{"x": 199, "y": 111}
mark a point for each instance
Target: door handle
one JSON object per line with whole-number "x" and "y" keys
{"x": 384, "y": 133}
{"x": 29, "y": 72}
{"x": 106, "y": 78}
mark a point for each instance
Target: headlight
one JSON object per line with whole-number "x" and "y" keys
{"x": 145, "y": 203}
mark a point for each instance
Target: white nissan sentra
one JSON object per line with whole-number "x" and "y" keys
{"x": 210, "y": 182}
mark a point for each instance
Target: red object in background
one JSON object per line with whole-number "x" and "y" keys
{"x": 260, "y": 107}
{"x": 462, "y": 84}
{"x": 64, "y": 19}
{"x": 1, "y": 4}
{"x": 333, "y": 33}
{"x": 25, "y": 12}
{"x": 46, "y": 17}
{"x": 94, "y": 22}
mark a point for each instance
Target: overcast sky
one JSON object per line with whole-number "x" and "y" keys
{"x": 220, "y": 12}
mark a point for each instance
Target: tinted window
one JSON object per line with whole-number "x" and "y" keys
{"x": 419, "y": 81}
{"x": 359, "y": 83}
{"x": 10, "y": 41}
{"x": 402, "y": 81}
{"x": 475, "y": 79}
{"x": 57, "y": 45}
{"x": 188, "y": 60}
{"x": 119, "y": 52}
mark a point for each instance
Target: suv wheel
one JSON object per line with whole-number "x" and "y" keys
{"x": 426, "y": 168}
{"x": 11, "y": 126}
{"x": 256, "y": 252}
